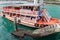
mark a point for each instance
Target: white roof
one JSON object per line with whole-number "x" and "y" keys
{"x": 27, "y": 4}
{"x": 15, "y": 3}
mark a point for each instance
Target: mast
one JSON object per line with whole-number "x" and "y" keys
{"x": 15, "y": 24}
{"x": 41, "y": 2}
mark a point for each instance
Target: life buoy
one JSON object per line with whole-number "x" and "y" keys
{"x": 3, "y": 15}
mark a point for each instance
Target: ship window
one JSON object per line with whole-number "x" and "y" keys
{"x": 32, "y": 17}
{"x": 7, "y": 13}
{"x": 10, "y": 14}
{"x": 31, "y": 8}
{"x": 42, "y": 25}
{"x": 20, "y": 6}
{"x": 50, "y": 26}
{"x": 23, "y": 15}
{"x": 23, "y": 7}
{"x": 17, "y": 8}
{"x": 53, "y": 26}
{"x": 38, "y": 8}
{"x": 28, "y": 7}
{"x": 18, "y": 15}
{"x": 28, "y": 16}
{"x": 14, "y": 14}
{"x": 9, "y": 6}
{"x": 37, "y": 25}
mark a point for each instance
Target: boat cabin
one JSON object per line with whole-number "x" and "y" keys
{"x": 23, "y": 12}
{"x": 21, "y": 9}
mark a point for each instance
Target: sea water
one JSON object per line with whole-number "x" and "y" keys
{"x": 7, "y": 27}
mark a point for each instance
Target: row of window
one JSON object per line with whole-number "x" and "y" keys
{"x": 30, "y": 7}
{"x": 24, "y": 7}
{"x": 18, "y": 15}
{"x": 46, "y": 26}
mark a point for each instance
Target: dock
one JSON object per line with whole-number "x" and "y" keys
{"x": 52, "y": 2}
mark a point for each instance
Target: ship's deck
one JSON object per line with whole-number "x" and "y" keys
{"x": 24, "y": 22}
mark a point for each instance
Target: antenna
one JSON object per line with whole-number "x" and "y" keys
{"x": 35, "y": 1}
{"x": 41, "y": 2}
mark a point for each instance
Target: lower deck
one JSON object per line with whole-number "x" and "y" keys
{"x": 31, "y": 22}
{"x": 24, "y": 21}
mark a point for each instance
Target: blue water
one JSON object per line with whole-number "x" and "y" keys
{"x": 54, "y": 10}
{"x": 6, "y": 27}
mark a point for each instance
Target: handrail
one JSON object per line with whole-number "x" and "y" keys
{"x": 46, "y": 15}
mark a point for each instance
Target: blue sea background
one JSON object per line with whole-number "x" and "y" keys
{"x": 7, "y": 27}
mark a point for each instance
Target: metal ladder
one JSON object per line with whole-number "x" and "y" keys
{"x": 47, "y": 16}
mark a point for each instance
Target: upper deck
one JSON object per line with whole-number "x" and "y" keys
{"x": 15, "y": 3}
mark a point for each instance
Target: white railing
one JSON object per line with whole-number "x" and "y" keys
{"x": 47, "y": 16}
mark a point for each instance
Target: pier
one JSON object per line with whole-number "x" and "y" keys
{"x": 52, "y": 2}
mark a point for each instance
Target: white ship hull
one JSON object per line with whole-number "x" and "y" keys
{"x": 47, "y": 30}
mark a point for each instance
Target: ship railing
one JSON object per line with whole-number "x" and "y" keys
{"x": 30, "y": 21}
{"x": 47, "y": 16}
{"x": 26, "y": 19}
{"x": 25, "y": 22}
{"x": 11, "y": 11}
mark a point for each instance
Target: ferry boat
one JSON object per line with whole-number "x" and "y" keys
{"x": 32, "y": 15}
